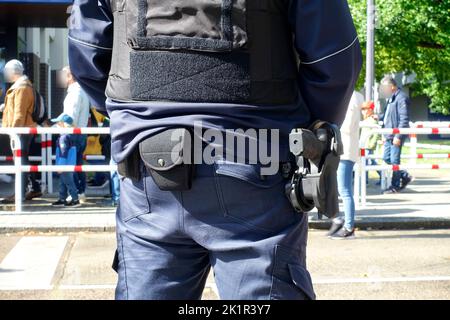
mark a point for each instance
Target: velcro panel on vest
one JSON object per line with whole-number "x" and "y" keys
{"x": 192, "y": 25}
{"x": 190, "y": 77}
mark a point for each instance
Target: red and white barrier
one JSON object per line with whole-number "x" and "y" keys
{"x": 416, "y": 125}
{"x": 46, "y": 156}
{"x": 409, "y": 131}
{"x": 55, "y": 130}
{"x": 407, "y": 166}
{"x": 416, "y": 129}
{"x": 46, "y": 168}
{"x": 415, "y": 156}
{"x": 38, "y": 159}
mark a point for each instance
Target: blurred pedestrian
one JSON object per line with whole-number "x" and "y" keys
{"x": 395, "y": 116}
{"x": 66, "y": 155}
{"x": 76, "y": 105}
{"x": 344, "y": 227}
{"x": 17, "y": 112}
{"x": 2, "y": 83}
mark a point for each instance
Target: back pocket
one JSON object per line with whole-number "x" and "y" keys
{"x": 255, "y": 201}
{"x": 133, "y": 198}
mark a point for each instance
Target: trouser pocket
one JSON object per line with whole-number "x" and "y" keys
{"x": 133, "y": 197}
{"x": 290, "y": 279}
{"x": 252, "y": 200}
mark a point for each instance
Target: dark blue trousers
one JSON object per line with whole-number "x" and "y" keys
{"x": 232, "y": 220}
{"x": 80, "y": 177}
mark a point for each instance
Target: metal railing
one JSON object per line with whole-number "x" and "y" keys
{"x": 422, "y": 128}
{"x": 46, "y": 156}
{"x": 428, "y": 128}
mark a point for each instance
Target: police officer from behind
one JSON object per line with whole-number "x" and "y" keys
{"x": 159, "y": 66}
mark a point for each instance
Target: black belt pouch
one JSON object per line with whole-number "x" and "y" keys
{"x": 168, "y": 159}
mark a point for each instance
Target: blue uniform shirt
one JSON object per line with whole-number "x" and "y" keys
{"x": 325, "y": 40}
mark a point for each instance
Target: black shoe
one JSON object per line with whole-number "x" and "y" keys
{"x": 336, "y": 225}
{"x": 343, "y": 234}
{"x": 73, "y": 204}
{"x": 59, "y": 203}
{"x": 405, "y": 182}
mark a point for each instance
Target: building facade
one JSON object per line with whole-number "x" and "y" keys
{"x": 35, "y": 32}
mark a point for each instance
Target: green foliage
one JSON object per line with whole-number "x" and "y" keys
{"x": 412, "y": 36}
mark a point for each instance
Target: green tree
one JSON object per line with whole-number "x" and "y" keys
{"x": 412, "y": 36}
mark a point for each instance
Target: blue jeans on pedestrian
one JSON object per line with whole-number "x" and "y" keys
{"x": 345, "y": 187}
{"x": 80, "y": 142}
{"x": 67, "y": 186}
{"x": 232, "y": 219}
{"x": 391, "y": 156}
{"x": 114, "y": 183}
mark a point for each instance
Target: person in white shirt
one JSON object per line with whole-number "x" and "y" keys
{"x": 345, "y": 228}
{"x": 77, "y": 106}
{"x": 76, "y": 102}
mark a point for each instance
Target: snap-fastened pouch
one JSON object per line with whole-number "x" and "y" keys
{"x": 168, "y": 159}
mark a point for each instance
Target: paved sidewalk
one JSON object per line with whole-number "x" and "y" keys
{"x": 424, "y": 204}
{"x": 39, "y": 216}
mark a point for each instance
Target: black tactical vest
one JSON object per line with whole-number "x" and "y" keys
{"x": 224, "y": 51}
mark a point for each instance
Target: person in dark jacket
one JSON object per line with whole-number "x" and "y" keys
{"x": 396, "y": 115}
{"x": 245, "y": 64}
